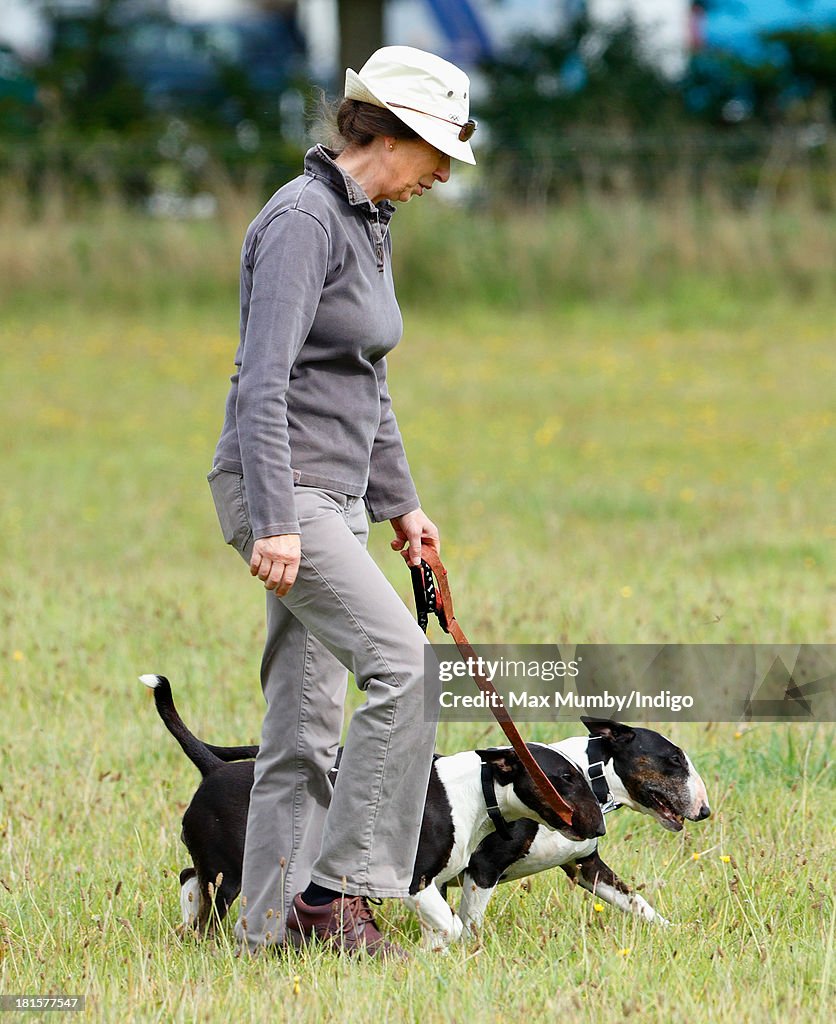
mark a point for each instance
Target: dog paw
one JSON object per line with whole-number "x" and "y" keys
{"x": 438, "y": 940}
{"x": 435, "y": 941}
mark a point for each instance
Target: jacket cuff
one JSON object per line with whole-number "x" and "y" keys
{"x": 382, "y": 513}
{"x": 276, "y": 530}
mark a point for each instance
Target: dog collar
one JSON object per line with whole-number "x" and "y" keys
{"x": 489, "y": 793}
{"x": 597, "y": 777}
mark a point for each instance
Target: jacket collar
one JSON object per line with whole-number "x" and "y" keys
{"x": 320, "y": 163}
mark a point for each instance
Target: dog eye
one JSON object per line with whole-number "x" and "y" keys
{"x": 677, "y": 759}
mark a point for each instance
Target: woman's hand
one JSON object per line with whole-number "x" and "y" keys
{"x": 414, "y": 529}
{"x": 275, "y": 560}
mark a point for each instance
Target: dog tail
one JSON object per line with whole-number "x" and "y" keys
{"x": 233, "y": 753}
{"x": 194, "y": 749}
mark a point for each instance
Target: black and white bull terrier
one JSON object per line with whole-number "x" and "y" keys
{"x": 627, "y": 767}
{"x": 456, "y": 819}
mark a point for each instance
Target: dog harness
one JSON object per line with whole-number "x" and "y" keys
{"x": 597, "y": 778}
{"x": 489, "y": 793}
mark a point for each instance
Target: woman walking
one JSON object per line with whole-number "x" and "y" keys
{"x": 309, "y": 446}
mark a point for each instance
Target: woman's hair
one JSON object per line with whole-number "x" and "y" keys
{"x": 354, "y": 123}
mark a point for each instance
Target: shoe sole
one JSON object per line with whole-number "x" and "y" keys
{"x": 300, "y": 942}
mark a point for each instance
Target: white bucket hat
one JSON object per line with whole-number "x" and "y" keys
{"x": 427, "y": 93}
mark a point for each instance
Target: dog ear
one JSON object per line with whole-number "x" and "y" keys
{"x": 503, "y": 759}
{"x": 615, "y": 732}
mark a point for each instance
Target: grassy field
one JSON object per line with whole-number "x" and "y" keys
{"x": 619, "y": 471}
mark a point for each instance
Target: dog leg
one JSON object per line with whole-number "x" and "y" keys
{"x": 474, "y": 903}
{"x": 439, "y": 925}
{"x": 189, "y": 897}
{"x": 596, "y": 877}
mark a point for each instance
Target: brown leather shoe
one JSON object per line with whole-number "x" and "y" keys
{"x": 346, "y": 924}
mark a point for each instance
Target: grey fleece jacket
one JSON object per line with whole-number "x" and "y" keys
{"x": 309, "y": 403}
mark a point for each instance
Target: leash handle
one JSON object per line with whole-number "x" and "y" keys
{"x": 443, "y": 601}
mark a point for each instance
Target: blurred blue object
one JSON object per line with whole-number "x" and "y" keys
{"x": 467, "y": 39}
{"x": 183, "y": 65}
{"x": 736, "y": 24}
{"x": 15, "y": 82}
{"x": 19, "y": 108}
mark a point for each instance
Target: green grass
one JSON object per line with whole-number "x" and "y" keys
{"x": 654, "y": 471}
{"x": 597, "y": 247}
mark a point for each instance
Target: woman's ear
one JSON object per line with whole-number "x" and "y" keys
{"x": 389, "y": 142}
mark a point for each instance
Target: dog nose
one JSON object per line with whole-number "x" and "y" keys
{"x": 705, "y": 812}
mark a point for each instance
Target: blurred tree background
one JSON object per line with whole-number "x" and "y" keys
{"x": 592, "y": 107}
{"x": 130, "y": 103}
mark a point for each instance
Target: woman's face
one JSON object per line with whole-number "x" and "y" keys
{"x": 411, "y": 168}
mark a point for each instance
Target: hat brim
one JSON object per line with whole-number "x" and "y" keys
{"x": 441, "y": 134}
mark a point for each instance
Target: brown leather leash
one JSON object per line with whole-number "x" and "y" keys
{"x": 436, "y": 597}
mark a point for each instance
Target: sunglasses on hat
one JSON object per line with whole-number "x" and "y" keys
{"x": 466, "y": 130}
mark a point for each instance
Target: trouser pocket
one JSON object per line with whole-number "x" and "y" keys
{"x": 231, "y": 505}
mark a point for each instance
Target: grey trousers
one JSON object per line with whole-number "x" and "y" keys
{"x": 341, "y": 614}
